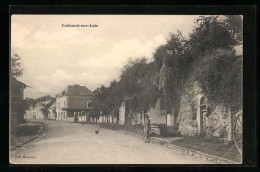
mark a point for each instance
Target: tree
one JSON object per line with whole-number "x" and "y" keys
{"x": 16, "y": 70}
{"x": 136, "y": 84}
{"x": 214, "y": 32}
{"x": 114, "y": 98}
{"x": 207, "y": 56}
{"x": 149, "y": 89}
{"x": 31, "y": 102}
{"x": 132, "y": 72}
{"x": 217, "y": 68}
{"x": 140, "y": 77}
{"x": 100, "y": 105}
{"x": 173, "y": 63}
{"x": 234, "y": 24}
{"x": 220, "y": 77}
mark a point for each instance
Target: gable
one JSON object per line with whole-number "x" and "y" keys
{"x": 76, "y": 90}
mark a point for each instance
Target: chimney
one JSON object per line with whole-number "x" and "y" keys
{"x": 76, "y": 90}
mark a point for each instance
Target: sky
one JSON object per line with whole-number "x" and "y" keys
{"x": 54, "y": 56}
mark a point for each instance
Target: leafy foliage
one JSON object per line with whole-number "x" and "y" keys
{"x": 217, "y": 68}
{"x": 211, "y": 33}
{"x": 99, "y": 105}
{"x": 173, "y": 61}
{"x": 30, "y": 101}
{"x": 16, "y": 70}
{"x": 207, "y": 56}
{"x": 220, "y": 77}
{"x": 136, "y": 85}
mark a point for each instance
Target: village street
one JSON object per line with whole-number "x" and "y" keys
{"x": 73, "y": 143}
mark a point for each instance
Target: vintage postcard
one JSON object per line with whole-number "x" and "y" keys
{"x": 126, "y": 89}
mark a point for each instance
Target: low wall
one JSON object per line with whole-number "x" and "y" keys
{"x": 156, "y": 115}
{"x": 70, "y": 119}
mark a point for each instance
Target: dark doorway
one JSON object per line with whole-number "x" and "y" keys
{"x": 76, "y": 117}
{"x": 203, "y": 110}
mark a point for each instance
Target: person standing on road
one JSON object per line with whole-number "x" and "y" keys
{"x": 146, "y": 128}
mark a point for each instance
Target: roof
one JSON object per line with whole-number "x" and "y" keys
{"x": 46, "y": 104}
{"x": 18, "y": 83}
{"x": 76, "y": 90}
{"x": 50, "y": 103}
{"x": 53, "y": 106}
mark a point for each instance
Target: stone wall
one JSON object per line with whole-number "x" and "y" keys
{"x": 187, "y": 118}
{"x": 70, "y": 119}
{"x": 122, "y": 114}
{"x": 215, "y": 122}
{"x": 156, "y": 115}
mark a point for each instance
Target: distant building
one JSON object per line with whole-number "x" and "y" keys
{"x": 40, "y": 110}
{"x": 74, "y": 103}
{"x": 17, "y": 102}
{"x": 52, "y": 115}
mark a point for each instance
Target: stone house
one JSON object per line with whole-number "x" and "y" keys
{"x": 74, "y": 103}
{"x": 17, "y": 102}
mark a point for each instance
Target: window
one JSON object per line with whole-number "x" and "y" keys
{"x": 64, "y": 104}
{"x": 194, "y": 115}
{"x": 89, "y": 104}
{"x": 194, "y": 112}
{"x": 58, "y": 105}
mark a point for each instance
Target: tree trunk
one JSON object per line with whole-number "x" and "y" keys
{"x": 117, "y": 119}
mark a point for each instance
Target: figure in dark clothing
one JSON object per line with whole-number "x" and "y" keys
{"x": 146, "y": 128}
{"x": 45, "y": 116}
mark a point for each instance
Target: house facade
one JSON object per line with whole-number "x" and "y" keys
{"x": 74, "y": 103}
{"x": 52, "y": 115}
{"x": 17, "y": 102}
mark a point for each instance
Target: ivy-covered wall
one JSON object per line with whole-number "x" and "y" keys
{"x": 187, "y": 118}
{"x": 216, "y": 122}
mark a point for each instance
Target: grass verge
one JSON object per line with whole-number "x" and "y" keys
{"x": 211, "y": 146}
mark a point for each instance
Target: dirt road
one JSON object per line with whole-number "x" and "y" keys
{"x": 72, "y": 143}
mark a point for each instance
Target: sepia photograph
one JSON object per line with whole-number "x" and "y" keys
{"x": 126, "y": 89}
